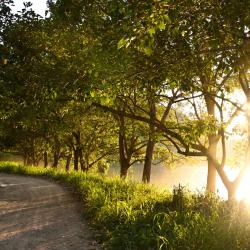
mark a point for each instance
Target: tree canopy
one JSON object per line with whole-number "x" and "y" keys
{"x": 124, "y": 81}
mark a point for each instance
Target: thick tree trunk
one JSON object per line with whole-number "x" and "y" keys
{"x": 211, "y": 172}
{"x": 45, "y": 159}
{"x": 213, "y": 142}
{"x": 124, "y": 170}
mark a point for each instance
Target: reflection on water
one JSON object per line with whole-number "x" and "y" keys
{"x": 193, "y": 177}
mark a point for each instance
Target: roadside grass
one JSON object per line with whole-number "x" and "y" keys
{"x": 136, "y": 216}
{"x": 10, "y": 156}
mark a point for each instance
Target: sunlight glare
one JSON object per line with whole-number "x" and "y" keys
{"x": 243, "y": 192}
{"x": 240, "y": 120}
{"x": 39, "y": 6}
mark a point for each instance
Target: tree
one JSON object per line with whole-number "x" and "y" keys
{"x": 194, "y": 40}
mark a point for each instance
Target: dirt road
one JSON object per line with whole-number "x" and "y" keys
{"x": 39, "y": 214}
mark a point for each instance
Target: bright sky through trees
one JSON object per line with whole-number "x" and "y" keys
{"x": 38, "y": 6}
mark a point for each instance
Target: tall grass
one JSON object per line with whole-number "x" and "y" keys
{"x": 137, "y": 216}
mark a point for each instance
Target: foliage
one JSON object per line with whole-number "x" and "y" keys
{"x": 137, "y": 216}
{"x": 164, "y": 71}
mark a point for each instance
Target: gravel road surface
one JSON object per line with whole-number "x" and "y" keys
{"x": 36, "y": 214}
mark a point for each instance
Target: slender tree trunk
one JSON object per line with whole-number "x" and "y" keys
{"x": 76, "y": 159}
{"x": 68, "y": 161}
{"x": 151, "y": 143}
{"x": 56, "y": 158}
{"x": 82, "y": 164}
{"x": 45, "y": 159}
{"x": 33, "y": 152}
{"x": 232, "y": 186}
{"x": 25, "y": 158}
{"x": 33, "y": 158}
{"x": 148, "y": 161}
{"x": 56, "y": 152}
{"x": 124, "y": 160}
{"x": 77, "y": 150}
{"x": 29, "y": 161}
{"x": 212, "y": 150}
{"x": 25, "y": 161}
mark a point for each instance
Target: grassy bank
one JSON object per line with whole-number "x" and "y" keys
{"x": 136, "y": 216}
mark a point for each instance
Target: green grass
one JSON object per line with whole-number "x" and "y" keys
{"x": 137, "y": 216}
{"x": 10, "y": 156}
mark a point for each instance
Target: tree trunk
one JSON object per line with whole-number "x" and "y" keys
{"x": 124, "y": 161}
{"x": 82, "y": 165}
{"x": 124, "y": 165}
{"x": 124, "y": 170}
{"x": 151, "y": 143}
{"x": 211, "y": 172}
{"x": 25, "y": 161}
{"x": 148, "y": 161}
{"x": 213, "y": 142}
{"x": 232, "y": 187}
{"x": 232, "y": 192}
{"x": 33, "y": 158}
{"x": 68, "y": 161}
{"x": 56, "y": 157}
{"x": 45, "y": 159}
{"x": 33, "y": 152}
{"x": 25, "y": 158}
{"x": 76, "y": 159}
{"x": 77, "y": 150}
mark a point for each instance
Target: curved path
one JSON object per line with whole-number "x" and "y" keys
{"x": 39, "y": 214}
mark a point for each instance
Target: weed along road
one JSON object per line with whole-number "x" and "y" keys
{"x": 39, "y": 214}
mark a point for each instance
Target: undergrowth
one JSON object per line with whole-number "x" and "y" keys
{"x": 140, "y": 217}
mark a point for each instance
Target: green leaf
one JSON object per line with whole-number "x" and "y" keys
{"x": 162, "y": 26}
{"x": 148, "y": 51}
{"x": 151, "y": 31}
{"x": 121, "y": 43}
